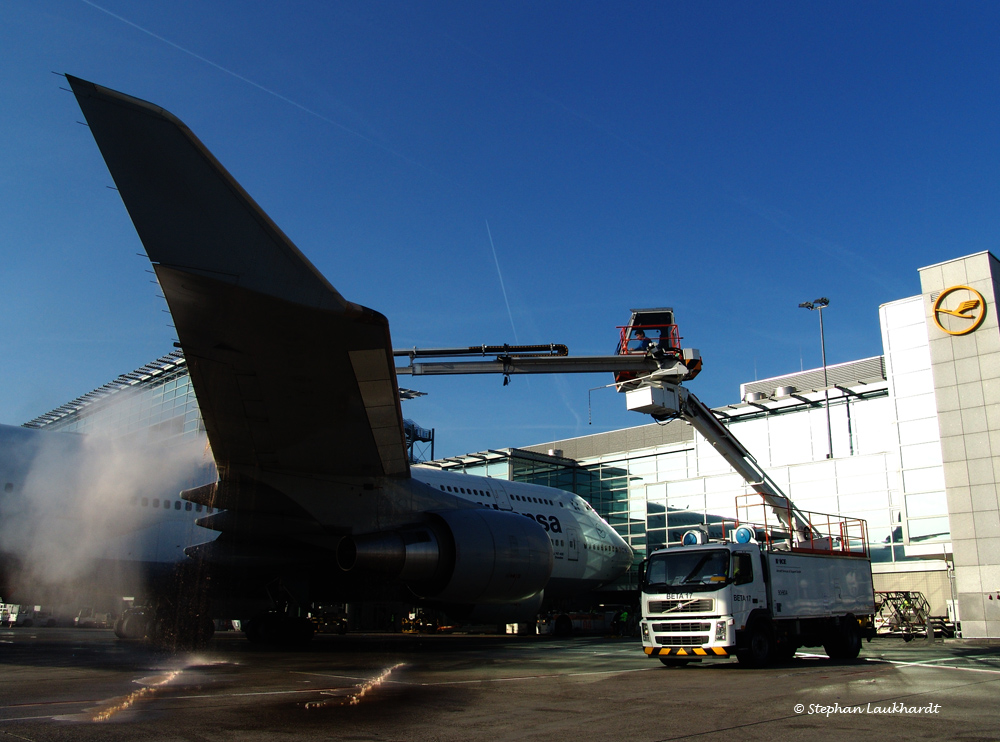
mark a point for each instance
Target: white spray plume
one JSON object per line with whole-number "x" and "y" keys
{"x": 76, "y": 507}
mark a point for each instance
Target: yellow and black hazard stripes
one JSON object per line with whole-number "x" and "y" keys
{"x": 686, "y": 651}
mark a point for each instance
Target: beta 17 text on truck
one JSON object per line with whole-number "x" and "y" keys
{"x": 759, "y": 592}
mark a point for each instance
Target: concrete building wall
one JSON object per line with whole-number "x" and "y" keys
{"x": 964, "y": 344}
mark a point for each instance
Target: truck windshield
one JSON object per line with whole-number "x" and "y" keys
{"x": 686, "y": 571}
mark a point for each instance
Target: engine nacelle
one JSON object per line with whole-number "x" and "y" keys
{"x": 462, "y": 556}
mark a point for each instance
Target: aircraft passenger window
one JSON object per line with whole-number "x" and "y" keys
{"x": 177, "y": 505}
{"x": 9, "y": 487}
{"x": 210, "y": 509}
{"x": 197, "y": 508}
{"x": 145, "y": 501}
{"x": 187, "y": 506}
{"x": 156, "y": 502}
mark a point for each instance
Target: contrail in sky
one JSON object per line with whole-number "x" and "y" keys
{"x": 260, "y": 87}
{"x": 502, "y": 288}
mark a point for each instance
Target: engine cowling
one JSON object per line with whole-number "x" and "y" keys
{"x": 462, "y": 556}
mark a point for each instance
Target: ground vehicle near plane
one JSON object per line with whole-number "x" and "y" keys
{"x": 764, "y": 585}
{"x": 297, "y": 388}
{"x": 753, "y": 593}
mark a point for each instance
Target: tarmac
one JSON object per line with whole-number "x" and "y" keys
{"x": 79, "y": 684}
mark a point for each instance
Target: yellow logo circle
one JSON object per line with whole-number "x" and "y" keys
{"x": 967, "y": 310}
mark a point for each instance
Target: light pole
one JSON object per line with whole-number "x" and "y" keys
{"x": 819, "y": 305}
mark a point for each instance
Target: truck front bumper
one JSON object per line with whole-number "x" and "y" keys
{"x": 687, "y": 651}
{"x": 711, "y": 636}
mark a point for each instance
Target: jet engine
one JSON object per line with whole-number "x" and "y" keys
{"x": 462, "y": 556}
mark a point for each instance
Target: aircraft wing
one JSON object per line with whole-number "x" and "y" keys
{"x": 289, "y": 375}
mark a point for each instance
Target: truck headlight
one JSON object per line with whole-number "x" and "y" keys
{"x": 720, "y": 631}
{"x": 645, "y": 630}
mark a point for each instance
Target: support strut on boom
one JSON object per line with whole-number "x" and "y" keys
{"x": 520, "y": 359}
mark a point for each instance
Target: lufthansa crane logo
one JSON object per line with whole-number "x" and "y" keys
{"x": 959, "y": 310}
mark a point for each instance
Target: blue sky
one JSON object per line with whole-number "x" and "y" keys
{"x": 728, "y": 159}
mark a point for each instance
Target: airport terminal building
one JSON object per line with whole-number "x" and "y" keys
{"x": 915, "y": 446}
{"x": 916, "y": 450}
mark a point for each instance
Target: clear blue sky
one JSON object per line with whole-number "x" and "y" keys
{"x": 728, "y": 159}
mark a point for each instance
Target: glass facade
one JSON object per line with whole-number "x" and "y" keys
{"x": 156, "y": 402}
{"x": 919, "y": 504}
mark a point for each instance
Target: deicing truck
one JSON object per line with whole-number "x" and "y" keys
{"x": 752, "y": 593}
{"x": 759, "y": 586}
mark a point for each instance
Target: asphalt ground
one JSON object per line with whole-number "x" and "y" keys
{"x": 78, "y": 684}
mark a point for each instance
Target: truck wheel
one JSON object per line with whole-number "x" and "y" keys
{"x": 851, "y": 640}
{"x": 759, "y": 644}
{"x": 845, "y": 643}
